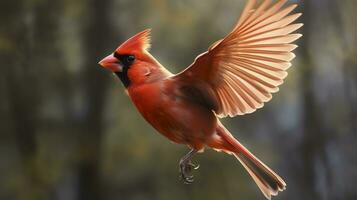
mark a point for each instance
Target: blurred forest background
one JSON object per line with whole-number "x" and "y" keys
{"x": 68, "y": 131}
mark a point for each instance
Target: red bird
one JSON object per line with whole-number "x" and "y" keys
{"x": 236, "y": 76}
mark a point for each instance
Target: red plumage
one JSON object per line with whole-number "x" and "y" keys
{"x": 236, "y": 76}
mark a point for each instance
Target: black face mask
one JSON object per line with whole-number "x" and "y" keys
{"x": 125, "y": 61}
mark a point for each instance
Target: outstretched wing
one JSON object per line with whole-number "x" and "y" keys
{"x": 247, "y": 66}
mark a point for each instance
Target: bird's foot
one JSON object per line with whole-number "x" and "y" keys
{"x": 186, "y": 167}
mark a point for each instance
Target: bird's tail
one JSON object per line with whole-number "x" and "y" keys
{"x": 267, "y": 180}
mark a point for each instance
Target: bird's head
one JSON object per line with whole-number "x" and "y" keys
{"x": 131, "y": 61}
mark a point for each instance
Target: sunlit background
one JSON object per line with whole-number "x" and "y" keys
{"x": 69, "y": 132}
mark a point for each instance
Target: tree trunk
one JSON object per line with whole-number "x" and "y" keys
{"x": 96, "y": 42}
{"x": 30, "y": 32}
{"x": 314, "y": 137}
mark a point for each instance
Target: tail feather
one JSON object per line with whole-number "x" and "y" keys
{"x": 267, "y": 180}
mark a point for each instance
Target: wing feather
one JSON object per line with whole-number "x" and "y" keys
{"x": 246, "y": 12}
{"x": 246, "y": 67}
{"x": 238, "y": 88}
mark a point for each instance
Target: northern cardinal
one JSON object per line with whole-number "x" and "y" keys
{"x": 236, "y": 76}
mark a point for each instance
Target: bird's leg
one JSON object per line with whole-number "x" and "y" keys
{"x": 186, "y": 166}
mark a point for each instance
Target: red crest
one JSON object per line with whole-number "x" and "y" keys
{"x": 139, "y": 42}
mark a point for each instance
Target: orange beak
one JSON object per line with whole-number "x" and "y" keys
{"x": 111, "y": 63}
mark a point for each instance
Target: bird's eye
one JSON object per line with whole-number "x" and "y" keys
{"x": 125, "y": 60}
{"x": 130, "y": 59}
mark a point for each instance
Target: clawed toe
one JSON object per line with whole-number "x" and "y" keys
{"x": 186, "y": 170}
{"x": 193, "y": 166}
{"x": 188, "y": 180}
{"x": 186, "y": 167}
